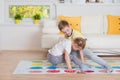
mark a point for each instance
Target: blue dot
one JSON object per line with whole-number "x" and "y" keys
{"x": 73, "y": 67}
{"x": 67, "y": 67}
{"x": 99, "y": 67}
{"x": 116, "y": 67}
{"x": 90, "y": 66}
{"x": 51, "y": 67}
{"x": 35, "y": 67}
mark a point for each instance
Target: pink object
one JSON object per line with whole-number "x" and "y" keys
{"x": 35, "y": 71}
{"x": 88, "y": 71}
{"x": 103, "y": 71}
{"x": 68, "y": 71}
{"x": 117, "y": 71}
{"x": 53, "y": 71}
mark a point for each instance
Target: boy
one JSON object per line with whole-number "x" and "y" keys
{"x": 71, "y": 34}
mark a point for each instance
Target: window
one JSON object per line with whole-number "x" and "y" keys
{"x": 28, "y": 11}
{"x": 28, "y": 8}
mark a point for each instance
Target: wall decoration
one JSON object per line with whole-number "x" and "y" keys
{"x": 28, "y": 11}
{"x": 92, "y": 1}
{"x": 78, "y": 1}
{"x": 61, "y": 1}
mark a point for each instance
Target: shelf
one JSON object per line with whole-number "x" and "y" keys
{"x": 88, "y": 4}
{"x": 14, "y": 25}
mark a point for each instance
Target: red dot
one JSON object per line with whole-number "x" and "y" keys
{"x": 103, "y": 71}
{"x": 69, "y": 71}
{"x": 53, "y": 71}
{"x": 88, "y": 71}
{"x": 117, "y": 71}
{"x": 35, "y": 71}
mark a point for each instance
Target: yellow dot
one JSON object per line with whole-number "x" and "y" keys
{"x": 36, "y": 64}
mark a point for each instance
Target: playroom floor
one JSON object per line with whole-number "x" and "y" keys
{"x": 10, "y": 59}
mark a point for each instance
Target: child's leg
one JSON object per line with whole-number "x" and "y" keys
{"x": 55, "y": 59}
{"x": 79, "y": 63}
{"x": 76, "y": 53}
{"x": 76, "y": 60}
{"x": 89, "y": 54}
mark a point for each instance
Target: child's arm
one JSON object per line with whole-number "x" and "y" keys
{"x": 60, "y": 39}
{"x": 67, "y": 59}
{"x": 81, "y": 56}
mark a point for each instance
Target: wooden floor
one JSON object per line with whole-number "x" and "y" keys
{"x": 10, "y": 59}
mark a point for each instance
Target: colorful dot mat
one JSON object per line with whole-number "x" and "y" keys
{"x": 44, "y": 67}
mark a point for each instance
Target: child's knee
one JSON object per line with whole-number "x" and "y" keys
{"x": 73, "y": 56}
{"x": 54, "y": 61}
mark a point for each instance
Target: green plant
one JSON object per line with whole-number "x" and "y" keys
{"x": 18, "y": 17}
{"x": 36, "y": 17}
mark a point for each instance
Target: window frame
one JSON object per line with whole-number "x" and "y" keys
{"x": 31, "y": 3}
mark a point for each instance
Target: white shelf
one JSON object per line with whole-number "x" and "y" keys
{"x": 17, "y": 25}
{"x": 88, "y": 4}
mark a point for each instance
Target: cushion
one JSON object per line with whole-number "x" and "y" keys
{"x": 50, "y": 26}
{"x": 48, "y": 40}
{"x": 92, "y": 24}
{"x": 50, "y": 30}
{"x": 74, "y": 21}
{"x": 49, "y": 23}
{"x": 103, "y": 41}
{"x": 113, "y": 24}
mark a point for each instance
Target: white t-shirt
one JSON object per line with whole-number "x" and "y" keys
{"x": 59, "y": 48}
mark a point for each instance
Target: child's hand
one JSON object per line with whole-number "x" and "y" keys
{"x": 61, "y": 38}
{"x": 70, "y": 69}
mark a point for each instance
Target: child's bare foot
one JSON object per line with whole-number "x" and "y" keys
{"x": 109, "y": 69}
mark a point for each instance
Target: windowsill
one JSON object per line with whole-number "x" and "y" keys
{"x": 24, "y": 25}
{"x": 24, "y": 22}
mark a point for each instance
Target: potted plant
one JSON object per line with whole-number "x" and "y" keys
{"x": 18, "y": 17}
{"x": 36, "y": 18}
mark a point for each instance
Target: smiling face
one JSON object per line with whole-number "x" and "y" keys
{"x": 67, "y": 30}
{"x": 65, "y": 27}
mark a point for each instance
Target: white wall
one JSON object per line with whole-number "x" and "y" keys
{"x": 28, "y": 36}
{"x": 19, "y": 37}
{"x": 0, "y": 39}
{"x": 117, "y": 1}
{"x": 88, "y": 9}
{"x": 1, "y": 11}
{"x": 1, "y": 17}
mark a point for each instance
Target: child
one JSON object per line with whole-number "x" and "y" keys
{"x": 72, "y": 34}
{"x": 60, "y": 53}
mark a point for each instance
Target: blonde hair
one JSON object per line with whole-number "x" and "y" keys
{"x": 80, "y": 42}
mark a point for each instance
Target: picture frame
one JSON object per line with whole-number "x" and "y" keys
{"x": 92, "y": 1}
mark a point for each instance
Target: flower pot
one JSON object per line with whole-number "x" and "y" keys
{"x": 36, "y": 21}
{"x": 17, "y": 21}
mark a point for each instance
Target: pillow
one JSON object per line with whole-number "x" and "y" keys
{"x": 50, "y": 26}
{"x": 74, "y": 21}
{"x": 113, "y": 24}
{"x": 49, "y": 23}
{"x": 92, "y": 24}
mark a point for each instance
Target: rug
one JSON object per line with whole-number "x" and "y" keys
{"x": 44, "y": 67}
